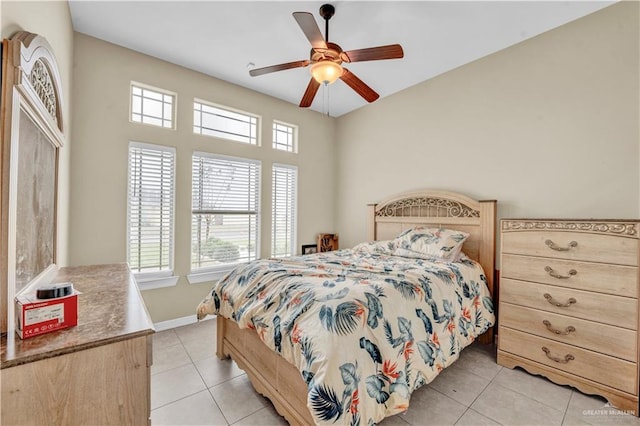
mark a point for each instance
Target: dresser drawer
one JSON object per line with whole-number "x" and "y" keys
{"x": 574, "y": 246}
{"x": 600, "y": 368}
{"x": 604, "y": 278}
{"x": 597, "y": 307}
{"x": 606, "y": 339}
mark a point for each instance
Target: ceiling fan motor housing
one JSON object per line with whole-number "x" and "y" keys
{"x": 332, "y": 53}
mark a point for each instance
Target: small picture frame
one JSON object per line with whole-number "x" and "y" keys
{"x": 309, "y": 248}
{"x": 327, "y": 242}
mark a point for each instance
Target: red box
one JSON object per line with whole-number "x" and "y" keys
{"x": 38, "y": 316}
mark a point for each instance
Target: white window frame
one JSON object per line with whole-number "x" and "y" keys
{"x": 209, "y": 273}
{"x": 293, "y": 211}
{"x": 256, "y": 117}
{"x": 293, "y": 148}
{"x": 162, "y": 278}
{"x": 174, "y": 103}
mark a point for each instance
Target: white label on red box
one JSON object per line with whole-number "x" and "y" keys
{"x": 47, "y": 313}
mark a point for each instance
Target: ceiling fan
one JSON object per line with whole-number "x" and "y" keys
{"x": 326, "y": 58}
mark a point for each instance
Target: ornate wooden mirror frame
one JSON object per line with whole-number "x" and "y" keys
{"x": 32, "y": 135}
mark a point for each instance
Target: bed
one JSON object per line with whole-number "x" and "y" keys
{"x": 304, "y": 359}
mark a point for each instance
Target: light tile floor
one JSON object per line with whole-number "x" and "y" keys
{"x": 190, "y": 386}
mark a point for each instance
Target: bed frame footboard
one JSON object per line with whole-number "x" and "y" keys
{"x": 269, "y": 373}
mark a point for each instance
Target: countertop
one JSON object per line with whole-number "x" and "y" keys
{"x": 110, "y": 309}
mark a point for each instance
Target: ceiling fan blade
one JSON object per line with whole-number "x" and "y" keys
{"x": 358, "y": 85}
{"x": 391, "y": 51}
{"x": 310, "y": 93}
{"x": 280, "y": 67}
{"x": 309, "y": 27}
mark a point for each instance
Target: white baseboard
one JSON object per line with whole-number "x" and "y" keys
{"x": 179, "y": 322}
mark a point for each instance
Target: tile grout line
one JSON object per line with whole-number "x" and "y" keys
{"x": 199, "y": 375}
{"x": 177, "y": 366}
{"x": 582, "y": 419}
{"x": 540, "y": 378}
{"x": 216, "y": 359}
{"x": 480, "y": 393}
{"x": 474, "y": 400}
{"x": 179, "y": 399}
{"x": 566, "y": 409}
{"x": 483, "y": 390}
{"x": 220, "y": 409}
{"x": 462, "y": 415}
{"x": 208, "y": 389}
{"x": 248, "y": 415}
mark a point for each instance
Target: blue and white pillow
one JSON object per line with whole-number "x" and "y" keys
{"x": 376, "y": 247}
{"x": 430, "y": 243}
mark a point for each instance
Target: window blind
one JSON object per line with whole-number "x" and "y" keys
{"x": 225, "y": 211}
{"x": 283, "y": 215}
{"x": 150, "y": 207}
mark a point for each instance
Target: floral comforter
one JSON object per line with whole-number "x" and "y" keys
{"x": 364, "y": 329}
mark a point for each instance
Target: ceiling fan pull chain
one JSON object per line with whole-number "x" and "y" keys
{"x": 325, "y": 98}
{"x": 328, "y": 100}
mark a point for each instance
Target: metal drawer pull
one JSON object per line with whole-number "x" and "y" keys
{"x": 554, "y": 274}
{"x": 566, "y": 359}
{"x": 553, "y": 246}
{"x": 570, "y": 302}
{"x": 566, "y": 331}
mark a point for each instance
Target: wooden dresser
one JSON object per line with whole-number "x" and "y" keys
{"x": 96, "y": 373}
{"x": 568, "y": 304}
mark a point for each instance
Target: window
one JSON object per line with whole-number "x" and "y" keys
{"x": 152, "y": 106}
{"x": 150, "y": 208}
{"x": 225, "y": 211}
{"x": 213, "y": 120}
{"x": 283, "y": 217}
{"x": 284, "y": 136}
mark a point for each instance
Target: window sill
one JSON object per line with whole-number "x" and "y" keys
{"x": 201, "y": 277}
{"x": 157, "y": 282}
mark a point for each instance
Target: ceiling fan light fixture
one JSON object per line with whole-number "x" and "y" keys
{"x": 326, "y": 71}
{"x": 326, "y": 59}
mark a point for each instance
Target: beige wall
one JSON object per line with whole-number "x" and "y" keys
{"x": 548, "y": 127}
{"x": 102, "y": 131}
{"x": 50, "y": 19}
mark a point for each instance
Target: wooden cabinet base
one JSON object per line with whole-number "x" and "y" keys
{"x": 97, "y": 373}
{"x": 621, "y": 400}
{"x": 105, "y": 385}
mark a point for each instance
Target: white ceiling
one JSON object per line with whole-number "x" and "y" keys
{"x": 221, "y": 38}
